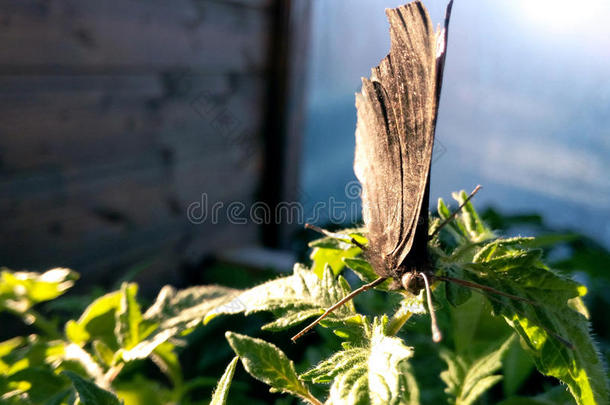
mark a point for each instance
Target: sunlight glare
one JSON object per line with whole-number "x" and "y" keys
{"x": 560, "y": 15}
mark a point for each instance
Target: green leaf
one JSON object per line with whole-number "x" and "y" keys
{"x": 219, "y": 397}
{"x": 517, "y": 366}
{"x": 547, "y": 324}
{"x": 97, "y": 321}
{"x": 128, "y": 317}
{"x": 89, "y": 393}
{"x": 365, "y": 272}
{"x": 103, "y": 352}
{"x": 467, "y": 225}
{"x": 292, "y": 299}
{"x": 21, "y": 290}
{"x": 374, "y": 373}
{"x": 76, "y": 333}
{"x": 457, "y": 294}
{"x": 177, "y": 311}
{"x": 38, "y": 382}
{"x": 362, "y": 268}
{"x": 143, "y": 391}
{"x": 467, "y": 380}
{"x": 323, "y": 257}
{"x": 292, "y": 319}
{"x": 552, "y": 321}
{"x": 267, "y": 363}
{"x": 332, "y": 250}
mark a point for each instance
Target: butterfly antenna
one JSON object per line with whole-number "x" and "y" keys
{"x": 337, "y": 305}
{"x": 454, "y": 213}
{"x": 333, "y": 235}
{"x": 437, "y": 336}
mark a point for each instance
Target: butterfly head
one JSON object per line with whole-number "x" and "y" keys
{"x": 412, "y": 282}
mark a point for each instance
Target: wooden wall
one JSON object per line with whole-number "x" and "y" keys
{"x": 115, "y": 115}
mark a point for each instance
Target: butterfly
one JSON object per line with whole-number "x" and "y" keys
{"x": 397, "y": 113}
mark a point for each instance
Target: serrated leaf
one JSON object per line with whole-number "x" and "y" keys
{"x": 554, "y": 328}
{"x": 335, "y": 365}
{"x": 374, "y": 373}
{"x": 340, "y": 240}
{"x": 467, "y": 225}
{"x": 98, "y": 321}
{"x": 409, "y": 305}
{"x": 89, "y": 393}
{"x": 267, "y": 363}
{"x": 292, "y": 319}
{"x": 466, "y": 380}
{"x": 176, "y": 311}
{"x": 221, "y": 392}
{"x": 547, "y": 324}
{"x": 292, "y": 299}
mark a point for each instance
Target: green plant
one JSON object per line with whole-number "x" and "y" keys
{"x": 359, "y": 354}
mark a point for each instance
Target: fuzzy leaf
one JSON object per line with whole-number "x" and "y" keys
{"x": 176, "y": 311}
{"x": 219, "y": 397}
{"x": 554, "y": 327}
{"x": 268, "y": 364}
{"x": 467, "y": 381}
{"x": 292, "y": 299}
{"x": 292, "y": 319}
{"x": 374, "y": 373}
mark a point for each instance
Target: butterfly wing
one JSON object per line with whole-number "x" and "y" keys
{"x": 397, "y": 109}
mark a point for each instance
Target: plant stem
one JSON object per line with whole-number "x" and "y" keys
{"x": 398, "y": 320}
{"x": 310, "y": 398}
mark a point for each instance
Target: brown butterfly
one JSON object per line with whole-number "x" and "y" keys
{"x": 397, "y": 111}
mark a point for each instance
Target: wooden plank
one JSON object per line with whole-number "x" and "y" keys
{"x": 79, "y": 36}
{"x": 120, "y": 217}
{"x": 66, "y": 123}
